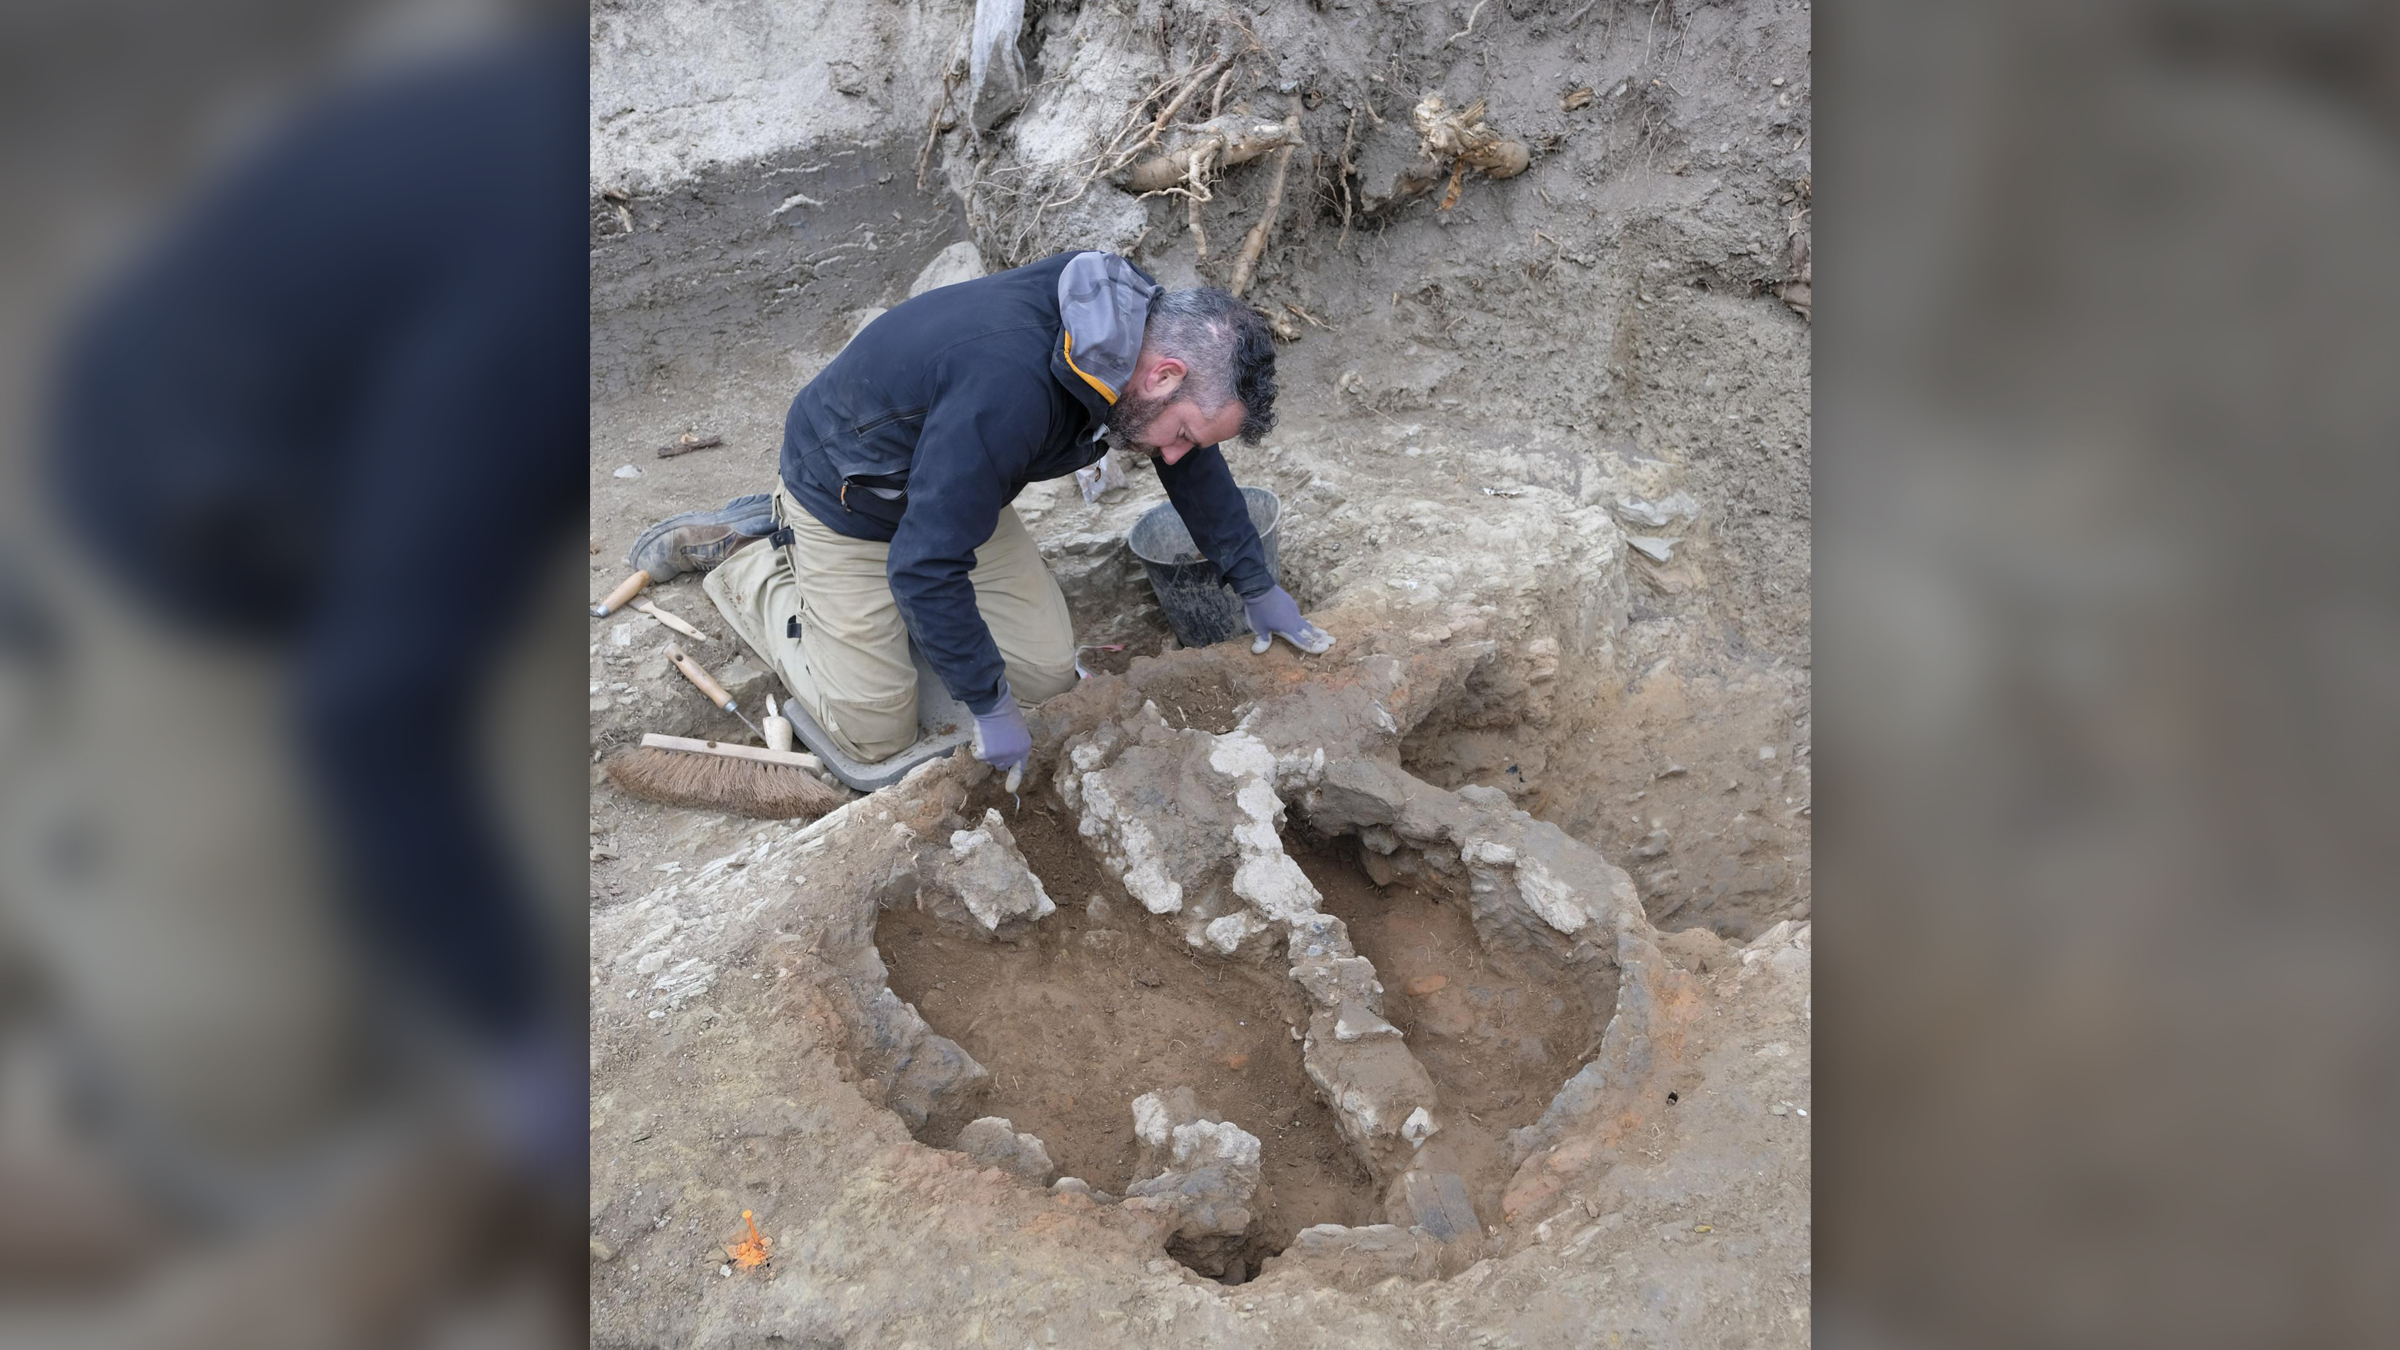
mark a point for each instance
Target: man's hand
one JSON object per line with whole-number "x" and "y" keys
{"x": 1001, "y": 737}
{"x": 1275, "y": 615}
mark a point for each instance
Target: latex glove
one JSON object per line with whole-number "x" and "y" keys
{"x": 1001, "y": 737}
{"x": 1276, "y": 615}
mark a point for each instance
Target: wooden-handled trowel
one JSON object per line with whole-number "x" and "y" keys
{"x": 708, "y": 686}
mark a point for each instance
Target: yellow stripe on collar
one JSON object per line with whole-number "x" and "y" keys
{"x": 1088, "y": 378}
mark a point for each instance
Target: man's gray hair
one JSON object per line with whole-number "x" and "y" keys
{"x": 1226, "y": 349}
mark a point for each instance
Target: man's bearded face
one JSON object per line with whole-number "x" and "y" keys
{"x": 1167, "y": 429}
{"x": 1133, "y": 416}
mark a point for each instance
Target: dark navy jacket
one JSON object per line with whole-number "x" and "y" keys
{"x": 941, "y": 411}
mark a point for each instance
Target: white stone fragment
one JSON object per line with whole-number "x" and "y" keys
{"x": 1774, "y": 937}
{"x": 1228, "y": 933}
{"x": 998, "y": 887}
{"x": 1204, "y": 1142}
{"x": 1149, "y": 883}
{"x": 1554, "y": 900}
{"x": 1359, "y": 1106}
{"x": 1357, "y": 1024}
{"x": 1254, "y": 836}
{"x": 1487, "y": 851}
{"x": 1150, "y": 1122}
{"x": 961, "y": 261}
{"x": 1276, "y": 886}
{"x": 1241, "y": 755}
{"x": 1258, "y": 800}
{"x": 1665, "y": 513}
{"x": 1419, "y": 1126}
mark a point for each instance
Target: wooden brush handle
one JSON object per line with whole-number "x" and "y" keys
{"x": 626, "y": 590}
{"x": 700, "y": 678}
{"x": 786, "y": 758}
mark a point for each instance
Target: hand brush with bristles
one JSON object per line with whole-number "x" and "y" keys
{"x": 772, "y": 784}
{"x": 713, "y": 776}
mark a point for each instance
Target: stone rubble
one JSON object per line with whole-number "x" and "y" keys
{"x": 959, "y": 262}
{"x": 995, "y": 1141}
{"x": 983, "y": 882}
{"x": 1208, "y": 1170}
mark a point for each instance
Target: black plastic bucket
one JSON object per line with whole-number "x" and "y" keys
{"x": 1200, "y": 607}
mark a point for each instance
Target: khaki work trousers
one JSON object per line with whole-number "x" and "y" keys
{"x": 850, "y": 666}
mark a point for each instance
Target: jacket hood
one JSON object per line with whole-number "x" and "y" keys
{"x": 1103, "y": 306}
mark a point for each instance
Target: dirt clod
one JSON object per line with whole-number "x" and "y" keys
{"x": 1205, "y": 702}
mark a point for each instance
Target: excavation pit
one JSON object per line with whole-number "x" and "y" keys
{"x": 1399, "y": 1021}
{"x": 1100, "y": 1003}
{"x": 1499, "y": 1032}
{"x": 1259, "y": 1000}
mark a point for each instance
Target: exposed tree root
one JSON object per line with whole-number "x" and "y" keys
{"x": 1222, "y": 142}
{"x": 1195, "y": 197}
{"x": 1216, "y": 101}
{"x": 1166, "y": 115}
{"x": 1344, "y": 170}
{"x": 940, "y": 119}
{"x": 1245, "y": 264}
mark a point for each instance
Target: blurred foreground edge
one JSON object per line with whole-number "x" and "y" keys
{"x": 291, "y": 1048}
{"x": 2107, "y": 652}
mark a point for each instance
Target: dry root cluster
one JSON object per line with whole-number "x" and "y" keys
{"x": 1153, "y": 152}
{"x": 1460, "y": 139}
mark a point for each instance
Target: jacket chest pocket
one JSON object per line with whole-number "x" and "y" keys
{"x": 875, "y": 465}
{"x": 886, "y": 444}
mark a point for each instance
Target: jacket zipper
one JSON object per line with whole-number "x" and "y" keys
{"x": 864, "y": 427}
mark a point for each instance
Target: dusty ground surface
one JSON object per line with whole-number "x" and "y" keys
{"x": 1482, "y": 406}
